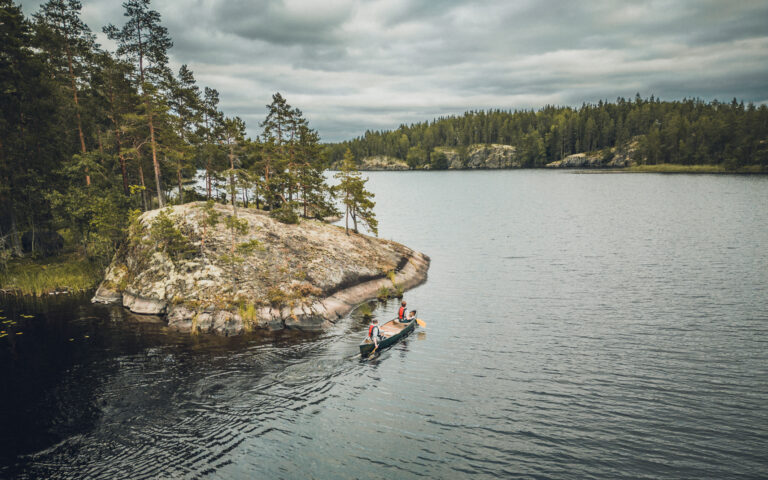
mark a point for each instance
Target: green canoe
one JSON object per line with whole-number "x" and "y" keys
{"x": 392, "y": 331}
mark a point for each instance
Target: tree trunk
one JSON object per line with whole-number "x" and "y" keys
{"x": 232, "y": 190}
{"x": 143, "y": 187}
{"x": 346, "y": 214}
{"x": 208, "y": 178}
{"x": 268, "y": 191}
{"x": 77, "y": 107}
{"x": 155, "y": 163}
{"x": 150, "y": 121}
{"x": 118, "y": 146}
{"x": 181, "y": 190}
{"x": 14, "y": 234}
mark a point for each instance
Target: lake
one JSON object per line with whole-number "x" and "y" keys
{"x": 578, "y": 326}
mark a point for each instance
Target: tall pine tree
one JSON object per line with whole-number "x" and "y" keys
{"x": 145, "y": 42}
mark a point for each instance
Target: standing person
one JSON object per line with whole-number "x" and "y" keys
{"x": 402, "y": 312}
{"x": 374, "y": 333}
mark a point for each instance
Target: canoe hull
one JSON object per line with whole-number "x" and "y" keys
{"x": 367, "y": 348}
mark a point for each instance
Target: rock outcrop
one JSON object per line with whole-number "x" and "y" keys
{"x": 378, "y": 162}
{"x": 383, "y": 162}
{"x": 209, "y": 277}
{"x": 481, "y": 156}
{"x": 608, "y": 158}
{"x": 478, "y": 156}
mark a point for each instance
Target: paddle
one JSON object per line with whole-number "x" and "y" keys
{"x": 421, "y": 323}
{"x": 372, "y": 352}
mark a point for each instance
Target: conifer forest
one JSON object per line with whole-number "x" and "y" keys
{"x": 685, "y": 132}
{"x": 89, "y": 138}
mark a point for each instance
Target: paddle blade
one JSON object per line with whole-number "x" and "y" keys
{"x": 421, "y": 323}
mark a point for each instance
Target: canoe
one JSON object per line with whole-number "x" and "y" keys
{"x": 392, "y": 331}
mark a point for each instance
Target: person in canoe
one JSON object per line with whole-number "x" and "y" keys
{"x": 374, "y": 333}
{"x": 411, "y": 316}
{"x": 402, "y": 313}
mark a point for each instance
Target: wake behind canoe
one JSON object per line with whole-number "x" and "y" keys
{"x": 392, "y": 331}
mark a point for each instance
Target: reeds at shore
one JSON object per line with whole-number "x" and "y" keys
{"x": 61, "y": 274}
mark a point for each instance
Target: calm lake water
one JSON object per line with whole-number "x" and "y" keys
{"x": 578, "y": 326}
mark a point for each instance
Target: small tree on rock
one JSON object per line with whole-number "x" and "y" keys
{"x": 358, "y": 202}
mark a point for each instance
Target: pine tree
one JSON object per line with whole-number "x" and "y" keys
{"x": 111, "y": 81}
{"x": 232, "y": 136}
{"x": 316, "y": 196}
{"x": 67, "y": 40}
{"x": 358, "y": 202}
{"x": 186, "y": 105}
{"x": 209, "y": 131}
{"x": 144, "y": 40}
{"x": 276, "y": 132}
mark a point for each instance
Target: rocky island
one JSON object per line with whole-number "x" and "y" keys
{"x": 207, "y": 270}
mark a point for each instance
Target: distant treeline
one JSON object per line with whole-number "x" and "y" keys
{"x": 89, "y": 137}
{"x": 687, "y": 132}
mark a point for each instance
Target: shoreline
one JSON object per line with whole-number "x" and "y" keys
{"x": 661, "y": 168}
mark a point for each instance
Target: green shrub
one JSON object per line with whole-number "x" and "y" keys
{"x": 236, "y": 225}
{"x": 249, "y": 315}
{"x": 365, "y": 310}
{"x": 246, "y": 248}
{"x": 276, "y": 297}
{"x": 166, "y": 235}
{"x": 285, "y": 214}
{"x": 439, "y": 161}
{"x": 383, "y": 294}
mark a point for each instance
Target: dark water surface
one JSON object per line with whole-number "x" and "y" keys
{"x": 579, "y": 326}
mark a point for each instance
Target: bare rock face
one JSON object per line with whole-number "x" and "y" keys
{"x": 609, "y": 158}
{"x": 578, "y": 160}
{"x": 383, "y": 162}
{"x": 482, "y": 156}
{"x": 268, "y": 276}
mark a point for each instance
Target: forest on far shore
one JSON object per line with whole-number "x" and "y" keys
{"x": 685, "y": 132}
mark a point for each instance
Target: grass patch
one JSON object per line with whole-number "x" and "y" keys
{"x": 675, "y": 168}
{"x": 383, "y": 294}
{"x": 249, "y": 315}
{"x": 64, "y": 273}
{"x": 365, "y": 311}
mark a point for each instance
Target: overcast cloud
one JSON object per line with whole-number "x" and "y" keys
{"x": 353, "y": 65}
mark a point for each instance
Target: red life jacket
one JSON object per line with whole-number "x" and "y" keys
{"x": 401, "y": 313}
{"x": 370, "y": 329}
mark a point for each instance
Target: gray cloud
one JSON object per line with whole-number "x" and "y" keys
{"x": 353, "y": 65}
{"x": 284, "y": 23}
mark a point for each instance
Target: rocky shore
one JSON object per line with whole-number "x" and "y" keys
{"x": 608, "y": 158}
{"x": 228, "y": 279}
{"x": 481, "y": 156}
{"x": 498, "y": 156}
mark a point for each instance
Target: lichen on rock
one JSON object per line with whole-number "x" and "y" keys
{"x": 265, "y": 275}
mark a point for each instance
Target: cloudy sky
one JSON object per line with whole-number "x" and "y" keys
{"x": 353, "y": 65}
